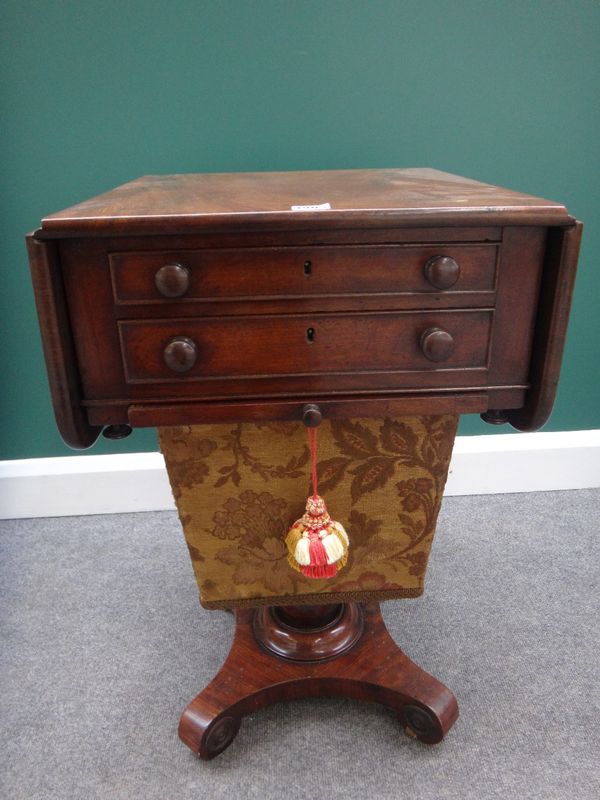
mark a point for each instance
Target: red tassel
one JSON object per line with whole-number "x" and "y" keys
{"x": 320, "y": 571}
{"x": 318, "y": 555}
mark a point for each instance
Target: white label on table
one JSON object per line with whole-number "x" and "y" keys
{"x": 315, "y": 207}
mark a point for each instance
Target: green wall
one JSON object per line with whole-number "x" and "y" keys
{"x": 98, "y": 93}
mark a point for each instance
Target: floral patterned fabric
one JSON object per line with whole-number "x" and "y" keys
{"x": 238, "y": 488}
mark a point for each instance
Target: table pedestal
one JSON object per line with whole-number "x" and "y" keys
{"x": 291, "y": 652}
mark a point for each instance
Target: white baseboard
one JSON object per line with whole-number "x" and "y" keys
{"x": 525, "y": 462}
{"x": 77, "y": 485}
{"x": 493, "y": 464}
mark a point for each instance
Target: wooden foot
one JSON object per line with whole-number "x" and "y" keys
{"x": 293, "y": 652}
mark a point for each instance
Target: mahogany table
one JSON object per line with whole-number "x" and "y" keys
{"x": 218, "y": 298}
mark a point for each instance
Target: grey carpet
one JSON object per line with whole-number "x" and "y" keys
{"x": 103, "y": 644}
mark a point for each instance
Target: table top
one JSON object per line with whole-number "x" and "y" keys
{"x": 336, "y": 198}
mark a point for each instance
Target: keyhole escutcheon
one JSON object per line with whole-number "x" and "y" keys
{"x": 308, "y": 268}
{"x": 310, "y": 335}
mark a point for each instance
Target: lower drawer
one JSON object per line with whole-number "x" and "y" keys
{"x": 284, "y": 345}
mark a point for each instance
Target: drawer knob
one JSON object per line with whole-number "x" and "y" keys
{"x": 442, "y": 271}
{"x": 311, "y": 415}
{"x": 172, "y": 280}
{"x": 181, "y": 354}
{"x": 437, "y": 344}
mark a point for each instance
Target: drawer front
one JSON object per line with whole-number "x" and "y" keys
{"x": 264, "y": 272}
{"x": 283, "y": 345}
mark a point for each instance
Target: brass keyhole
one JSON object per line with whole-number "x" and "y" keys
{"x": 310, "y": 335}
{"x": 308, "y": 268}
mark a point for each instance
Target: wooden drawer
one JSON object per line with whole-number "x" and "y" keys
{"x": 299, "y": 344}
{"x": 265, "y": 272}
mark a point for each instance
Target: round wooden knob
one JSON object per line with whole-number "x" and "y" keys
{"x": 442, "y": 271}
{"x": 436, "y": 344}
{"x": 172, "y": 280}
{"x": 117, "y": 431}
{"x": 494, "y": 417}
{"x": 181, "y": 354}
{"x": 311, "y": 415}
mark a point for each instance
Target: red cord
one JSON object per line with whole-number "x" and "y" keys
{"x": 312, "y": 441}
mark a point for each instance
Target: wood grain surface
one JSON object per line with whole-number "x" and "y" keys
{"x": 364, "y": 198}
{"x": 349, "y": 656}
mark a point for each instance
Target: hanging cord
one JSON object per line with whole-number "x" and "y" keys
{"x": 312, "y": 441}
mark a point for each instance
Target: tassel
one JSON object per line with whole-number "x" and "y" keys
{"x": 317, "y": 545}
{"x": 318, "y": 554}
{"x": 302, "y": 551}
{"x": 333, "y": 548}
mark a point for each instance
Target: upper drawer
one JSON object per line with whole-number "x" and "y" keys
{"x": 277, "y": 272}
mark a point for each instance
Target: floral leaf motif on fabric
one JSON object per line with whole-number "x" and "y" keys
{"x": 244, "y": 460}
{"x": 252, "y": 516}
{"x": 353, "y": 439}
{"x": 177, "y": 435}
{"x": 331, "y": 471}
{"x": 274, "y": 548}
{"x": 429, "y": 456}
{"x": 436, "y": 446}
{"x": 370, "y": 475}
{"x": 188, "y": 458}
{"x": 280, "y": 579}
{"x": 258, "y": 522}
{"x": 187, "y": 474}
{"x": 183, "y": 447}
{"x": 248, "y": 572}
{"x": 195, "y": 554}
{"x": 416, "y": 495}
{"x": 279, "y": 427}
{"x": 398, "y": 437}
{"x": 266, "y": 564}
{"x": 364, "y": 533}
{"x": 410, "y": 525}
{"x": 418, "y": 562}
{"x": 361, "y": 528}
{"x": 229, "y": 474}
{"x": 228, "y": 555}
{"x": 376, "y": 553}
{"x": 293, "y": 468}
